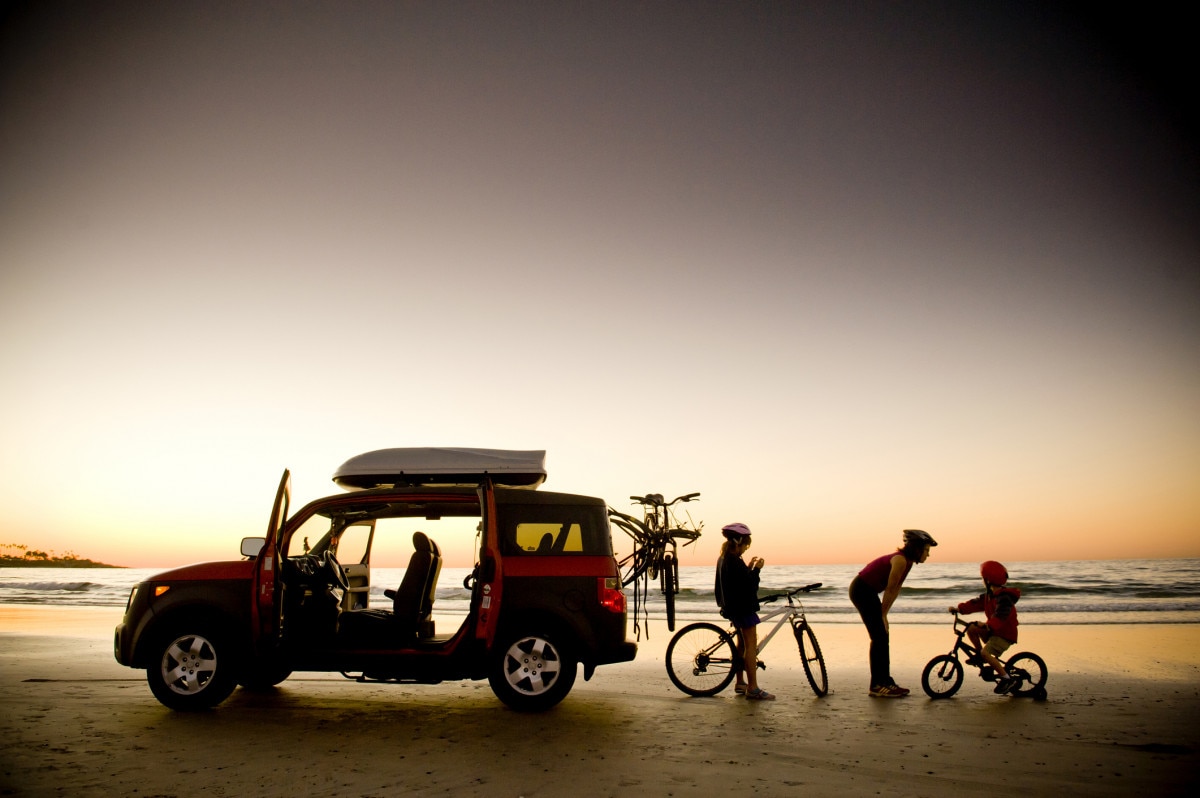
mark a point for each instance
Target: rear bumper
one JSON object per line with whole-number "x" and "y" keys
{"x": 625, "y": 652}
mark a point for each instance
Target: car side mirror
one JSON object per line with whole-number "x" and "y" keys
{"x": 252, "y": 547}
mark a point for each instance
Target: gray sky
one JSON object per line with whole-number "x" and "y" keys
{"x": 842, "y": 268}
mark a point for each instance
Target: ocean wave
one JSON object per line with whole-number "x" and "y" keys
{"x": 1140, "y": 590}
{"x": 50, "y": 587}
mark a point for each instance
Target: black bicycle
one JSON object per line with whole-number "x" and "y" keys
{"x": 944, "y": 674}
{"x": 655, "y": 537}
{"x": 702, "y": 658}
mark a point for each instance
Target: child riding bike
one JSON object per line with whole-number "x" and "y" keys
{"x": 993, "y": 638}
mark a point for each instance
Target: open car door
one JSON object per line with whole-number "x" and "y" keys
{"x": 267, "y": 601}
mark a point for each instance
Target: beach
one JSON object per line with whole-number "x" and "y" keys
{"x": 1120, "y": 720}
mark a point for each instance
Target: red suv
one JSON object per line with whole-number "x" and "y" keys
{"x": 545, "y": 593}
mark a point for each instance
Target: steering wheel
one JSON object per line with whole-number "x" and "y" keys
{"x": 334, "y": 569}
{"x": 306, "y": 565}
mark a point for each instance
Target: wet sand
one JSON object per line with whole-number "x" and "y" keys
{"x": 1121, "y": 719}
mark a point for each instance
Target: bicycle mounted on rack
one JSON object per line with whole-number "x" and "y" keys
{"x": 655, "y": 539}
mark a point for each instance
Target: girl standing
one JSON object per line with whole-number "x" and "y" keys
{"x": 737, "y": 596}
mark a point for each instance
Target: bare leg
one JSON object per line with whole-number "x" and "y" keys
{"x": 740, "y": 663}
{"x": 750, "y": 656}
{"x": 975, "y": 632}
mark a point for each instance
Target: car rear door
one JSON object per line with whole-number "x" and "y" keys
{"x": 354, "y": 555}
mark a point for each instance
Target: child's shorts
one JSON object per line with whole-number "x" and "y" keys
{"x": 745, "y": 621}
{"x": 996, "y": 645}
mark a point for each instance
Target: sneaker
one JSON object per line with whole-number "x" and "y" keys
{"x": 888, "y": 691}
{"x": 740, "y": 689}
{"x": 759, "y": 694}
{"x": 1005, "y": 684}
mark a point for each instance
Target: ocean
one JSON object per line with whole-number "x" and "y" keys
{"x": 1076, "y": 592}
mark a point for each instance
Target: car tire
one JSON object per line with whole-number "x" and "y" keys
{"x": 532, "y": 672}
{"x": 192, "y": 669}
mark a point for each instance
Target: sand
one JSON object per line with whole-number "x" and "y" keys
{"x": 1122, "y": 718}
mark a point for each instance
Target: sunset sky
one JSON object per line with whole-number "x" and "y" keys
{"x": 844, "y": 268}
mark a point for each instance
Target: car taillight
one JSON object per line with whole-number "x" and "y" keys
{"x": 612, "y": 598}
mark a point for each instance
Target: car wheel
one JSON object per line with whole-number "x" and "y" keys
{"x": 191, "y": 670}
{"x": 532, "y": 672}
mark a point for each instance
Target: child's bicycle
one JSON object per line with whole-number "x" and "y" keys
{"x": 702, "y": 658}
{"x": 944, "y": 673}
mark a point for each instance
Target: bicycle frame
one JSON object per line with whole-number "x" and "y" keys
{"x": 960, "y": 631}
{"x": 703, "y": 658}
{"x": 793, "y": 611}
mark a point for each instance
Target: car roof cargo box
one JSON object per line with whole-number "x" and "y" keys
{"x": 442, "y": 466}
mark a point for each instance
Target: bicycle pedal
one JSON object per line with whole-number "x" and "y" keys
{"x": 762, "y": 665}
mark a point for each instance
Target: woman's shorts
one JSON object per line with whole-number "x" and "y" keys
{"x": 745, "y": 621}
{"x": 996, "y": 645}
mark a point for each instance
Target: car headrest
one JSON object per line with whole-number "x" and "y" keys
{"x": 423, "y": 544}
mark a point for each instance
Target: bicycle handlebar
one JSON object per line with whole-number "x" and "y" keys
{"x": 790, "y": 592}
{"x": 657, "y": 500}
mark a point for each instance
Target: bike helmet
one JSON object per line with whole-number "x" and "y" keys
{"x": 994, "y": 573}
{"x": 919, "y": 535}
{"x": 736, "y": 529}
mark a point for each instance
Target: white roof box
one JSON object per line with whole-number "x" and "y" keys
{"x": 442, "y": 466}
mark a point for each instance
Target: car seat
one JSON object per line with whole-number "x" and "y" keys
{"x": 411, "y": 615}
{"x": 412, "y": 601}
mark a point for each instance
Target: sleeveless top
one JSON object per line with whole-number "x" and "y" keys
{"x": 876, "y": 572}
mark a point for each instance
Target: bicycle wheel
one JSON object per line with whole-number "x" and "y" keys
{"x": 701, "y": 659}
{"x": 1031, "y": 670}
{"x": 814, "y": 663}
{"x": 942, "y": 676}
{"x": 670, "y": 585}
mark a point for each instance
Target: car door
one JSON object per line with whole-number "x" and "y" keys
{"x": 267, "y": 601}
{"x": 354, "y": 554}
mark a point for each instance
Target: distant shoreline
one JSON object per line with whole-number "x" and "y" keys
{"x": 53, "y": 562}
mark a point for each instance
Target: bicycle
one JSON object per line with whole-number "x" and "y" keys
{"x": 944, "y": 674}
{"x": 702, "y": 659}
{"x": 655, "y": 548}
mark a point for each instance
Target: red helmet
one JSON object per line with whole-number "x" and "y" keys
{"x": 993, "y": 573}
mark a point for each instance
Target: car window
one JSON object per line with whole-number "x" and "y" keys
{"x": 313, "y": 535}
{"x": 540, "y": 529}
{"x": 543, "y": 538}
{"x": 353, "y": 542}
